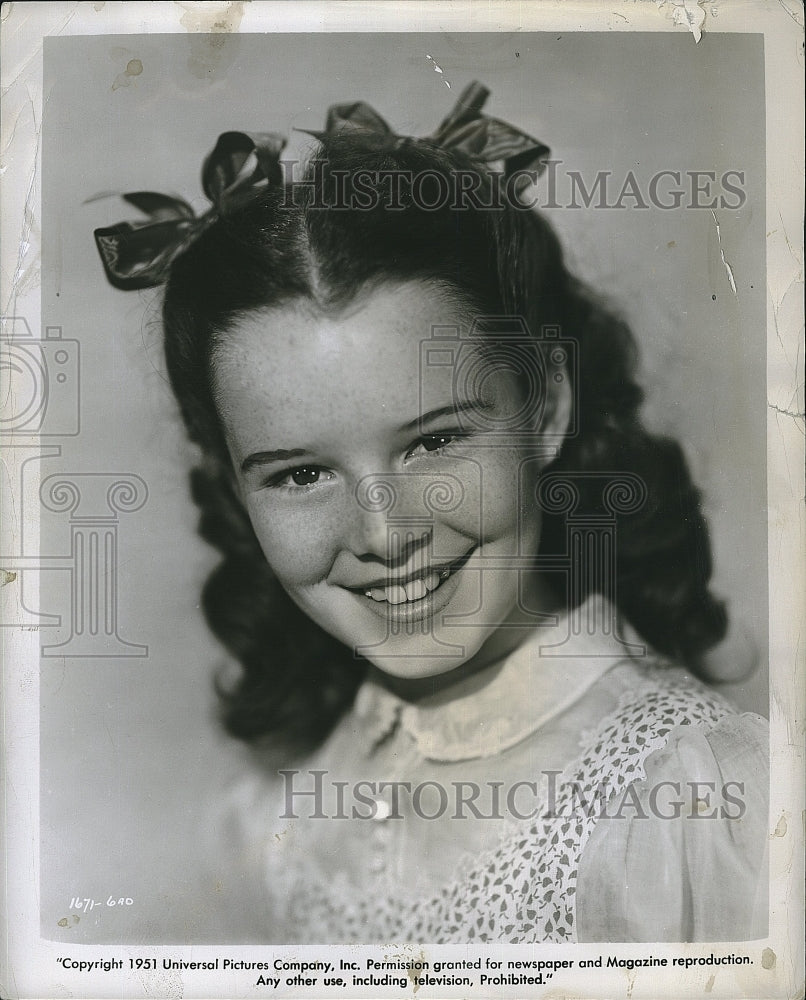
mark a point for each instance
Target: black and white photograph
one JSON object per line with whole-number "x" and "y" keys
{"x": 402, "y": 500}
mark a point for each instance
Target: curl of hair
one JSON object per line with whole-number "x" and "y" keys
{"x": 296, "y": 680}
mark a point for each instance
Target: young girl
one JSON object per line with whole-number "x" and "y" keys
{"x": 467, "y": 590}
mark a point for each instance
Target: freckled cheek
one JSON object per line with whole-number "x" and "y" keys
{"x": 498, "y": 502}
{"x": 299, "y": 545}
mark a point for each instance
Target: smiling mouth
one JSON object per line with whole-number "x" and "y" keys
{"x": 418, "y": 588}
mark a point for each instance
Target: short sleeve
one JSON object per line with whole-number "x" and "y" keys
{"x": 682, "y": 854}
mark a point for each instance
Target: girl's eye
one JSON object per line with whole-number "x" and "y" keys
{"x": 433, "y": 442}
{"x": 302, "y": 477}
{"x": 306, "y": 476}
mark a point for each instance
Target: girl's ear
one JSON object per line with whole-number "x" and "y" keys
{"x": 558, "y": 412}
{"x": 221, "y": 470}
{"x": 235, "y": 483}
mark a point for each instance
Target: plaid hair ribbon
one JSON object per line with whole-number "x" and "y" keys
{"x": 138, "y": 254}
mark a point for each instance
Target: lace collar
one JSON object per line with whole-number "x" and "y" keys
{"x": 493, "y": 710}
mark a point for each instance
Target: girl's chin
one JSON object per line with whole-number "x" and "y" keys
{"x": 412, "y": 666}
{"x": 436, "y": 658}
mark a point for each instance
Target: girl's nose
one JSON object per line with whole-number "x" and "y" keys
{"x": 389, "y": 525}
{"x": 372, "y": 535}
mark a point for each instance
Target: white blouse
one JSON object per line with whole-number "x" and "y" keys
{"x": 592, "y": 796}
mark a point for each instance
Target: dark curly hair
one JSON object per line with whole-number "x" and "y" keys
{"x": 288, "y": 244}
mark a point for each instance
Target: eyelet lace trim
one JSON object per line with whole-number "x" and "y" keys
{"x": 524, "y": 890}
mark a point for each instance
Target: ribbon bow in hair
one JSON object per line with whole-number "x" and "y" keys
{"x": 139, "y": 254}
{"x": 488, "y": 141}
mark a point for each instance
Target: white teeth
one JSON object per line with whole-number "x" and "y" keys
{"x": 414, "y": 591}
{"x": 396, "y": 594}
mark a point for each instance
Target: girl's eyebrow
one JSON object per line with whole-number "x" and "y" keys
{"x": 447, "y": 411}
{"x": 266, "y": 457}
{"x": 283, "y": 454}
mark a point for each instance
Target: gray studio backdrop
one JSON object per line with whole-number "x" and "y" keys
{"x": 129, "y": 747}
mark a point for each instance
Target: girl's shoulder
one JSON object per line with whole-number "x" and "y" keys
{"x": 653, "y": 699}
{"x": 562, "y": 875}
{"x": 665, "y": 686}
{"x": 678, "y": 850}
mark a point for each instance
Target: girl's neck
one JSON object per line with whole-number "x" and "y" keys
{"x": 518, "y": 627}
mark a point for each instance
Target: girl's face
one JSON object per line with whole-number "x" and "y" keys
{"x": 388, "y": 497}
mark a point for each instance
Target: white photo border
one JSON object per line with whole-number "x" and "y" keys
{"x": 28, "y": 963}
